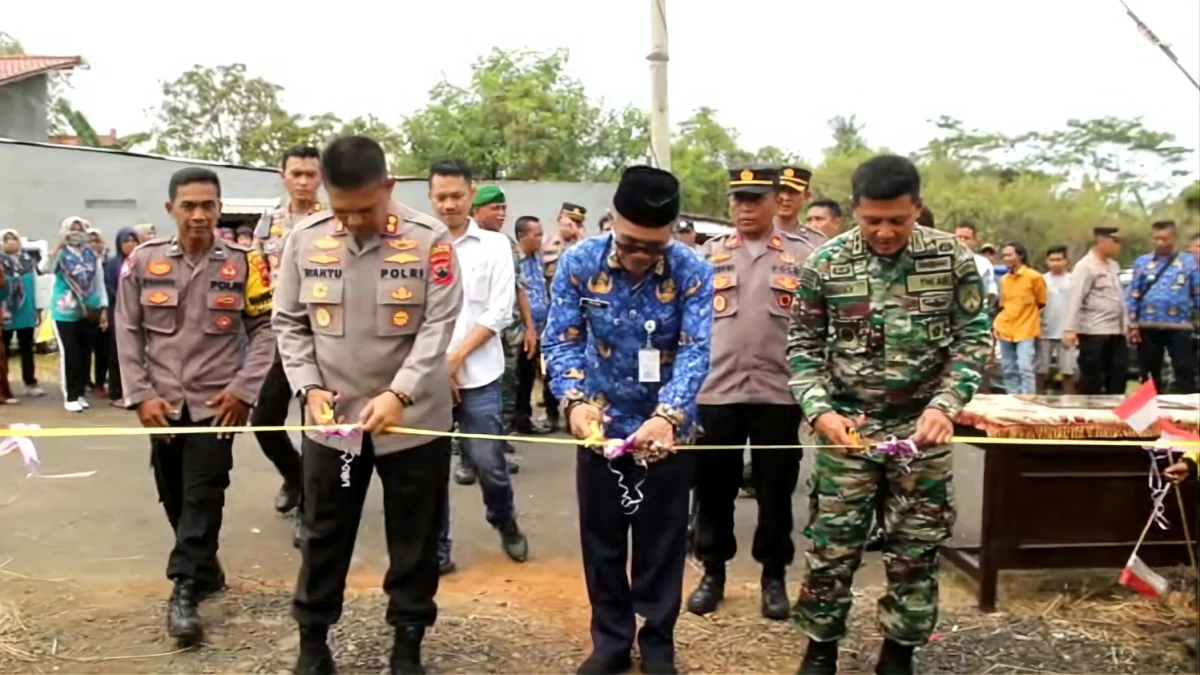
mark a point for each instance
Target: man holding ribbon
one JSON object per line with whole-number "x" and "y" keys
{"x": 888, "y": 337}
{"x": 367, "y": 296}
{"x": 627, "y": 347}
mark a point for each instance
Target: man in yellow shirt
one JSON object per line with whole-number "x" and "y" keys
{"x": 1017, "y": 328}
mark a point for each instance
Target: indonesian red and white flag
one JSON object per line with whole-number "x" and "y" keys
{"x": 1138, "y": 576}
{"x": 1140, "y": 410}
{"x": 1169, "y": 433}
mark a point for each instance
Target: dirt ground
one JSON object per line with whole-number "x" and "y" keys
{"x": 82, "y": 587}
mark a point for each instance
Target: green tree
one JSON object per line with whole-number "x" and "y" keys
{"x": 702, "y": 152}
{"x": 224, "y": 114}
{"x": 522, "y": 117}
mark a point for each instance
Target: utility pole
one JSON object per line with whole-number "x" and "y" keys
{"x": 660, "y": 124}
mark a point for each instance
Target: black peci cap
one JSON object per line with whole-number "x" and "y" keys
{"x": 1110, "y": 232}
{"x": 647, "y": 196}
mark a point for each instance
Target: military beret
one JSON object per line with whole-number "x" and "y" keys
{"x": 756, "y": 179}
{"x": 488, "y": 194}
{"x": 574, "y": 211}
{"x": 1111, "y": 232}
{"x": 795, "y": 178}
{"x": 647, "y": 196}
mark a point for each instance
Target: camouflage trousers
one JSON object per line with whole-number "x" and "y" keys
{"x": 918, "y": 517}
{"x": 512, "y": 338}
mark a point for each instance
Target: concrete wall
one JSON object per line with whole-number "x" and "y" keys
{"x": 41, "y": 185}
{"x": 23, "y": 113}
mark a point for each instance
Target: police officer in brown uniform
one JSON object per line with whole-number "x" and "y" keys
{"x": 791, "y": 195}
{"x": 571, "y": 231}
{"x": 184, "y": 306}
{"x": 367, "y": 298}
{"x": 301, "y": 178}
{"x": 745, "y": 395}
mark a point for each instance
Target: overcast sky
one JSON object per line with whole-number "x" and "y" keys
{"x": 776, "y": 70}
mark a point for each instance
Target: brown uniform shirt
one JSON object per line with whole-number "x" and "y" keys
{"x": 180, "y": 325}
{"x": 273, "y": 230}
{"x": 1096, "y": 305}
{"x": 362, "y": 318}
{"x": 752, "y": 301}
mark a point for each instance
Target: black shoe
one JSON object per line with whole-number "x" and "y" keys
{"x": 708, "y": 595}
{"x": 599, "y": 665}
{"x": 895, "y": 659}
{"x": 406, "y": 651}
{"x": 514, "y": 543}
{"x": 513, "y": 465}
{"x": 775, "y": 605}
{"x": 183, "y": 620}
{"x": 205, "y": 590}
{"x": 446, "y": 565}
{"x": 288, "y": 498}
{"x": 820, "y": 658}
{"x": 552, "y": 425}
{"x": 465, "y": 475}
{"x": 659, "y": 668}
{"x": 315, "y": 657}
{"x": 875, "y": 541}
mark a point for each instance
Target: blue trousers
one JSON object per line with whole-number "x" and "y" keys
{"x": 1017, "y": 359}
{"x": 478, "y": 412}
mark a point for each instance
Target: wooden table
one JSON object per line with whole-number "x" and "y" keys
{"x": 1052, "y": 506}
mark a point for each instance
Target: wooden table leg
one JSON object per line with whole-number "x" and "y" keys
{"x": 991, "y": 547}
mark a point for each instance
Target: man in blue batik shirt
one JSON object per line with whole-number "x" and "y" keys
{"x": 1163, "y": 303}
{"x": 627, "y": 346}
{"x": 529, "y": 242}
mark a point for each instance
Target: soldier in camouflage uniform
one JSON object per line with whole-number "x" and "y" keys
{"x": 888, "y": 336}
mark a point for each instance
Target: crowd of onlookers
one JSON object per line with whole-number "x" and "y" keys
{"x": 1074, "y": 327}
{"x": 81, "y": 271}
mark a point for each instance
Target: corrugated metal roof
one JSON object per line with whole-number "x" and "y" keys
{"x": 129, "y": 153}
{"x": 19, "y": 67}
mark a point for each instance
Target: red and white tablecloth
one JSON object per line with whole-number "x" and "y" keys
{"x": 1069, "y": 417}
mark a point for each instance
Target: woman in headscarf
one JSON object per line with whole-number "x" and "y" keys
{"x": 20, "y": 307}
{"x": 98, "y": 348}
{"x": 127, "y": 240}
{"x": 77, "y": 305}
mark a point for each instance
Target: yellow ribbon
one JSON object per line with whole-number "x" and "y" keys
{"x": 595, "y": 438}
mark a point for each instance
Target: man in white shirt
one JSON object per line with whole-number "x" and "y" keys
{"x": 967, "y": 236}
{"x": 1050, "y": 346}
{"x": 475, "y": 358}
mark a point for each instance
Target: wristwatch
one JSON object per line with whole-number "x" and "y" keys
{"x": 405, "y": 399}
{"x": 302, "y": 393}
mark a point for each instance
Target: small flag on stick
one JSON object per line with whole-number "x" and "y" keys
{"x": 1138, "y": 576}
{"x": 1140, "y": 410}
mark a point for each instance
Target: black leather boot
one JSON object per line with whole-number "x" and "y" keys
{"x": 183, "y": 619}
{"x": 708, "y": 594}
{"x": 513, "y": 541}
{"x": 775, "y": 604}
{"x": 288, "y": 498}
{"x": 820, "y": 658}
{"x": 598, "y": 664}
{"x": 406, "y": 651}
{"x": 895, "y": 659}
{"x": 315, "y": 657}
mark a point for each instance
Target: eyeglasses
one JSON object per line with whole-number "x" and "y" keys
{"x": 652, "y": 248}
